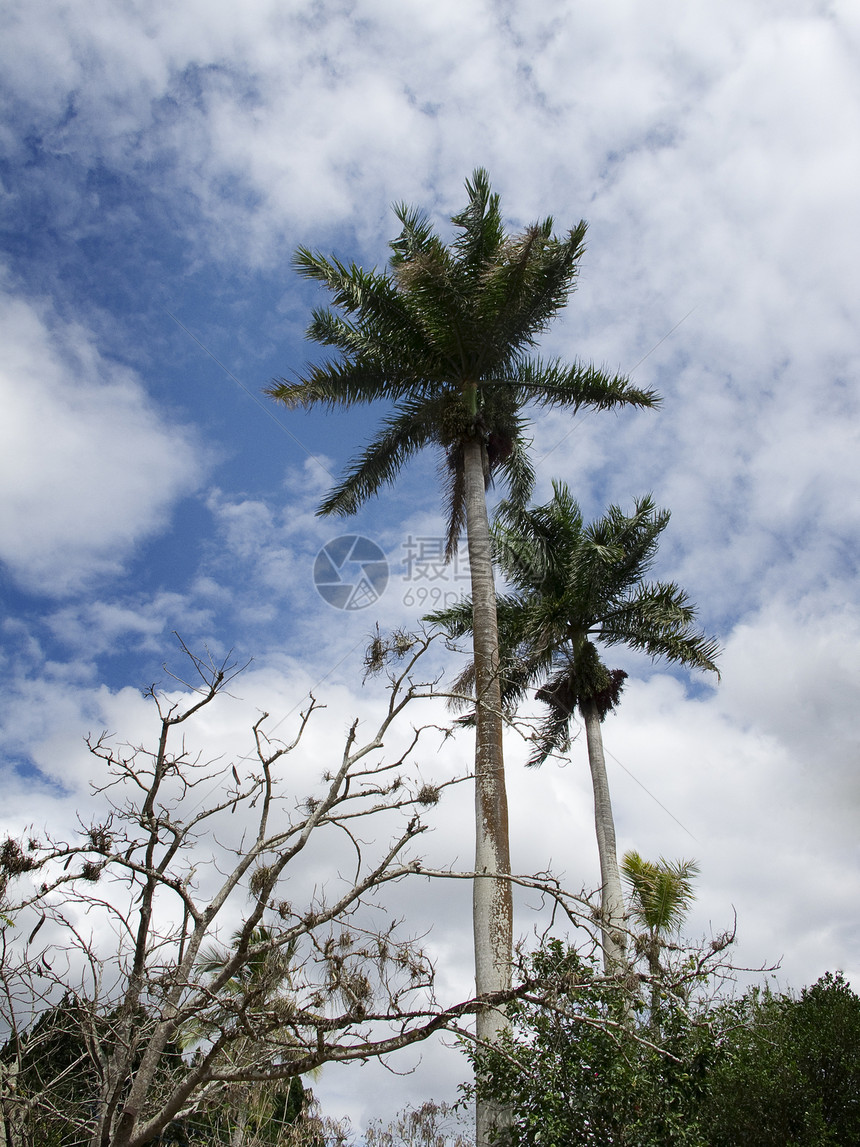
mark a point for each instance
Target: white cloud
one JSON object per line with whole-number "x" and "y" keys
{"x": 96, "y": 627}
{"x": 87, "y": 467}
{"x": 759, "y": 784}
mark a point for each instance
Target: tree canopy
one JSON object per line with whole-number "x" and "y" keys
{"x": 769, "y": 1069}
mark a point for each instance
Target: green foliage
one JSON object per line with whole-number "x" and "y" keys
{"x": 274, "y": 1114}
{"x": 660, "y": 894}
{"x": 661, "y": 891}
{"x": 765, "y": 1070}
{"x": 787, "y": 1071}
{"x": 53, "y": 1074}
{"x": 55, "y": 1068}
{"x": 575, "y": 1073}
{"x": 52, "y": 1052}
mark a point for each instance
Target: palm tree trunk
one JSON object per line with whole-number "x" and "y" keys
{"x": 655, "y": 972}
{"x": 492, "y": 901}
{"x": 611, "y": 895}
{"x": 238, "y": 1136}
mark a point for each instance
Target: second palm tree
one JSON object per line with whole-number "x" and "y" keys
{"x": 574, "y": 587}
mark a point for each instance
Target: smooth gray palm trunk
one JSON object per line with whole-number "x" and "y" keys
{"x": 492, "y": 900}
{"x": 611, "y": 894}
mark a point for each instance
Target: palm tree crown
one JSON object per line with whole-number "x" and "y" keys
{"x": 661, "y": 891}
{"x": 446, "y": 334}
{"x": 575, "y": 588}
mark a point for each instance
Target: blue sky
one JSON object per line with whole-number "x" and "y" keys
{"x": 160, "y": 165}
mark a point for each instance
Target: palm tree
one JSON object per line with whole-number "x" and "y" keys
{"x": 661, "y": 893}
{"x": 446, "y": 334}
{"x": 574, "y": 587}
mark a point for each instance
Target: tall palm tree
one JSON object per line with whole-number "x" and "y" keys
{"x": 574, "y": 588}
{"x": 661, "y": 892}
{"x": 446, "y": 334}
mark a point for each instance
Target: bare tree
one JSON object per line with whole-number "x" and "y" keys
{"x": 210, "y": 937}
{"x": 430, "y": 1125}
{"x": 105, "y": 935}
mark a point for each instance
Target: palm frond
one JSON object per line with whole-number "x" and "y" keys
{"x": 438, "y": 306}
{"x": 403, "y": 435}
{"x": 661, "y": 891}
{"x": 657, "y": 619}
{"x": 523, "y": 292}
{"x": 353, "y": 289}
{"x": 633, "y": 538}
{"x": 517, "y": 671}
{"x": 456, "y": 620}
{"x": 524, "y": 554}
{"x": 555, "y": 383}
{"x": 340, "y": 383}
{"x": 517, "y": 470}
{"x": 454, "y": 482}
{"x": 553, "y": 733}
{"x": 480, "y": 223}
{"x": 417, "y": 231}
{"x": 374, "y": 304}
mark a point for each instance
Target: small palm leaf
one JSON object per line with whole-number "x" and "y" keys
{"x": 661, "y": 891}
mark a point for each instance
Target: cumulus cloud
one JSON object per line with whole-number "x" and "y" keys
{"x": 92, "y": 628}
{"x": 757, "y": 780}
{"x": 88, "y": 468}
